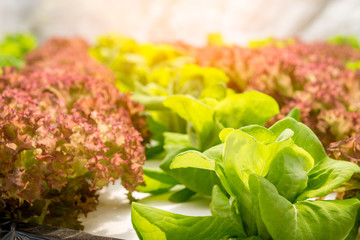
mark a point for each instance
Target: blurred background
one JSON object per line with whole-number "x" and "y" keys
{"x": 187, "y": 20}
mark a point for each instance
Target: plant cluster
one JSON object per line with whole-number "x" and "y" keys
{"x": 313, "y": 77}
{"x": 56, "y": 52}
{"x": 341, "y": 40}
{"x": 64, "y": 133}
{"x": 266, "y": 182}
{"x": 205, "y": 119}
{"x": 153, "y": 72}
{"x": 187, "y": 107}
{"x": 14, "y": 47}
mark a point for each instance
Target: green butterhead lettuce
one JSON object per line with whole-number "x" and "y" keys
{"x": 327, "y": 174}
{"x": 267, "y": 176}
{"x": 207, "y": 118}
{"x": 199, "y": 115}
{"x": 204, "y": 121}
{"x": 304, "y": 219}
{"x": 288, "y": 171}
{"x": 240, "y": 110}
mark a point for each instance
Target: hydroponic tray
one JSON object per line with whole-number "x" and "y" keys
{"x": 113, "y": 216}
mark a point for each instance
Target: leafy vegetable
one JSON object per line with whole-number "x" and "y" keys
{"x": 204, "y": 123}
{"x": 208, "y": 117}
{"x": 187, "y": 105}
{"x": 152, "y": 72}
{"x": 267, "y": 177}
{"x": 215, "y": 39}
{"x": 156, "y": 181}
{"x": 158, "y": 224}
{"x": 334, "y": 219}
{"x": 64, "y": 134}
{"x": 56, "y": 52}
{"x": 348, "y": 40}
{"x": 353, "y": 65}
{"x": 14, "y": 47}
{"x": 270, "y": 41}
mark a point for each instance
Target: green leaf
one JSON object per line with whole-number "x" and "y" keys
{"x": 328, "y": 175}
{"x": 349, "y": 40}
{"x": 288, "y": 171}
{"x": 192, "y": 159}
{"x": 150, "y": 102}
{"x": 286, "y": 134}
{"x": 158, "y": 174}
{"x": 215, "y": 153}
{"x": 252, "y": 238}
{"x": 224, "y": 181}
{"x": 176, "y": 139}
{"x": 224, "y": 133}
{"x": 305, "y": 219}
{"x": 217, "y": 91}
{"x": 196, "y": 78}
{"x": 151, "y": 223}
{"x": 260, "y": 133}
{"x": 244, "y": 155}
{"x": 197, "y": 180}
{"x": 295, "y": 114}
{"x": 157, "y": 129}
{"x": 244, "y": 109}
{"x": 220, "y": 204}
{"x": 156, "y": 181}
{"x": 303, "y": 137}
{"x": 154, "y": 186}
{"x": 199, "y": 115}
{"x": 144, "y": 228}
{"x": 28, "y": 158}
{"x": 355, "y": 231}
{"x": 182, "y": 195}
{"x": 165, "y": 163}
{"x": 211, "y": 102}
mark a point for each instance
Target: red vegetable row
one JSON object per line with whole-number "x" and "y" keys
{"x": 65, "y": 133}
{"x": 310, "y": 76}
